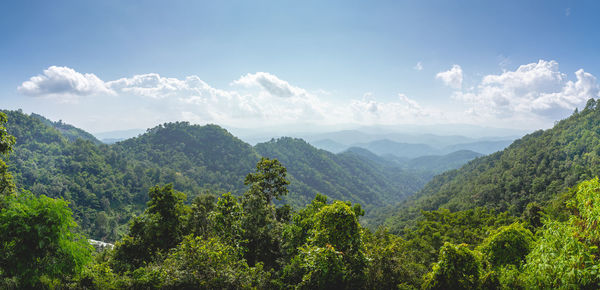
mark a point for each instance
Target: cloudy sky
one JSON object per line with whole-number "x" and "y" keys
{"x": 113, "y": 65}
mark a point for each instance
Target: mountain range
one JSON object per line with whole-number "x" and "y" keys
{"x": 107, "y": 184}
{"x": 535, "y": 169}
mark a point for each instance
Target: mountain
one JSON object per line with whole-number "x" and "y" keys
{"x": 440, "y": 163}
{"x": 111, "y": 137}
{"x": 345, "y": 176}
{"x": 386, "y": 146}
{"x": 483, "y": 147}
{"x": 535, "y": 168}
{"x": 197, "y": 157}
{"x": 329, "y": 145}
{"x": 389, "y": 160}
{"x": 107, "y": 184}
{"x": 68, "y": 131}
{"x": 409, "y": 150}
{"x": 429, "y": 165}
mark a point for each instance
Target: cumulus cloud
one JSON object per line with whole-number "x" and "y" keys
{"x": 252, "y": 100}
{"x": 399, "y": 111}
{"x": 272, "y": 84}
{"x": 452, "y": 77}
{"x": 534, "y": 94}
{"x": 63, "y": 81}
{"x": 538, "y": 88}
{"x": 154, "y": 86}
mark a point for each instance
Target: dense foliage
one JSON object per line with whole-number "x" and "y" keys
{"x": 534, "y": 168}
{"x": 344, "y": 176}
{"x": 249, "y": 241}
{"x": 107, "y": 184}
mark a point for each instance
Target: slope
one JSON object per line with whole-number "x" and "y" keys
{"x": 345, "y": 176}
{"x": 70, "y": 132}
{"x": 534, "y": 168}
{"x": 107, "y": 184}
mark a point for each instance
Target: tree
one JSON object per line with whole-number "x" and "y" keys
{"x": 161, "y": 225}
{"x": 560, "y": 260}
{"x": 269, "y": 180}
{"x": 296, "y": 233}
{"x": 317, "y": 268}
{"x": 199, "y": 263}
{"x": 38, "y": 240}
{"x": 158, "y": 229}
{"x": 332, "y": 255}
{"x": 508, "y": 245}
{"x": 391, "y": 261}
{"x": 6, "y": 143}
{"x": 457, "y": 268}
{"x": 199, "y": 220}
{"x": 227, "y": 220}
{"x": 262, "y": 229}
{"x": 337, "y": 224}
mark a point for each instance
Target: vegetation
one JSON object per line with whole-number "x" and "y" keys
{"x": 107, "y": 184}
{"x": 255, "y": 240}
{"x": 534, "y": 169}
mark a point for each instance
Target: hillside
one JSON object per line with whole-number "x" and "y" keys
{"x": 535, "y": 168}
{"x": 439, "y": 163}
{"x": 70, "y": 132}
{"x": 345, "y": 176}
{"x": 429, "y": 164}
{"x": 107, "y": 184}
{"x": 197, "y": 156}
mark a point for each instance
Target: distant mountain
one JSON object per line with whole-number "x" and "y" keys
{"x": 110, "y": 137}
{"x": 329, "y": 145}
{"x": 440, "y": 163}
{"x": 344, "y": 176}
{"x": 112, "y": 140}
{"x": 483, "y": 147}
{"x": 535, "y": 168}
{"x": 345, "y": 137}
{"x": 386, "y": 146}
{"x": 429, "y": 165}
{"x": 394, "y": 161}
{"x": 107, "y": 184}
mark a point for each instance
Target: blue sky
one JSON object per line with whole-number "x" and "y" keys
{"x": 111, "y": 65}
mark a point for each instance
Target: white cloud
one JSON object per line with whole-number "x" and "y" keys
{"x": 154, "y": 86}
{"x": 400, "y": 111}
{"x": 534, "y": 94}
{"x": 418, "y": 66}
{"x": 453, "y": 77}
{"x": 270, "y": 83}
{"x": 60, "y": 81}
{"x": 538, "y": 88}
{"x": 252, "y": 100}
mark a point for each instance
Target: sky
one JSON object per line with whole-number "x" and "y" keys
{"x": 116, "y": 65}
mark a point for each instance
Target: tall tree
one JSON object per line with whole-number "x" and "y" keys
{"x": 160, "y": 228}
{"x": 262, "y": 229}
{"x": 6, "y": 143}
{"x": 269, "y": 180}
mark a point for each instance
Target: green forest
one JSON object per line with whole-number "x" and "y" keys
{"x": 193, "y": 207}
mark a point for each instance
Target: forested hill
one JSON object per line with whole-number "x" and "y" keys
{"x": 107, "y": 184}
{"x": 343, "y": 176}
{"x": 198, "y": 156}
{"x": 535, "y": 168}
{"x": 70, "y": 132}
